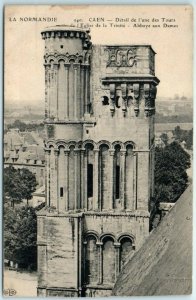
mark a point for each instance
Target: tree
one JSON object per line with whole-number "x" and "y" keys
{"x": 184, "y": 136}
{"x": 28, "y": 183}
{"x": 164, "y": 138}
{"x": 19, "y": 184}
{"x": 20, "y": 235}
{"x": 12, "y": 185}
{"x": 171, "y": 178}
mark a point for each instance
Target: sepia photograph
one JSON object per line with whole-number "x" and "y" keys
{"x": 98, "y": 150}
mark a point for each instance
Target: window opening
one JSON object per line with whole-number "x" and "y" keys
{"x": 117, "y": 182}
{"x": 61, "y": 192}
{"x": 90, "y": 180}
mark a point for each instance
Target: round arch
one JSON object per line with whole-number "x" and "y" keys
{"x": 91, "y": 142}
{"x": 91, "y": 233}
{"x": 107, "y": 235}
{"x": 129, "y": 143}
{"x": 126, "y": 235}
{"x": 104, "y": 142}
{"x": 51, "y": 143}
{"x": 71, "y": 143}
{"x": 118, "y": 143}
{"x": 61, "y": 143}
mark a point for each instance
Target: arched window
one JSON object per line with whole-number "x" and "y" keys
{"x": 90, "y": 162}
{"x": 125, "y": 250}
{"x": 90, "y": 180}
{"x": 108, "y": 261}
{"x": 91, "y": 261}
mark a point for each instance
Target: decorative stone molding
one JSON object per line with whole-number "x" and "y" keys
{"x": 64, "y": 32}
{"x": 80, "y": 145}
{"x": 124, "y": 97}
{"x": 112, "y": 98}
{"x": 112, "y": 152}
{"x": 121, "y": 56}
{"x": 136, "y": 94}
{"x": 149, "y": 96}
{"x": 56, "y": 57}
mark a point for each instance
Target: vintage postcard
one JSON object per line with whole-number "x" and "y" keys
{"x": 98, "y": 150}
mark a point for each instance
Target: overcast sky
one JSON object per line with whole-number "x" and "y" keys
{"x": 24, "y": 48}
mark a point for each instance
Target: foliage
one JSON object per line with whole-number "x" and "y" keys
{"x": 184, "y": 135}
{"x": 19, "y": 184}
{"x": 22, "y": 126}
{"x": 20, "y": 234}
{"x": 180, "y": 118}
{"x": 171, "y": 178}
{"x": 164, "y": 138}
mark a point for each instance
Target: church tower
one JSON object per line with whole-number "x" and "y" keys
{"x": 99, "y": 119}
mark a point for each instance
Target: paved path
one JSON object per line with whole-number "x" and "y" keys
{"x": 25, "y": 284}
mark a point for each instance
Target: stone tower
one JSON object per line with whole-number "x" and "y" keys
{"x": 99, "y": 119}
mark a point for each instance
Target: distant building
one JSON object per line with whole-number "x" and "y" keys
{"x": 25, "y": 150}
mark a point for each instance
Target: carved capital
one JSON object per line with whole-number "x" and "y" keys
{"x": 96, "y": 151}
{"x": 112, "y": 152}
{"x": 117, "y": 245}
{"x": 56, "y": 66}
{"x": 124, "y": 90}
{"x": 123, "y": 152}
{"x": 66, "y": 65}
{"x": 136, "y": 110}
{"x": 47, "y": 151}
{"x": 112, "y": 91}
{"x": 66, "y": 152}
{"x": 56, "y": 152}
{"x": 149, "y": 96}
{"x": 136, "y": 90}
{"x": 100, "y": 244}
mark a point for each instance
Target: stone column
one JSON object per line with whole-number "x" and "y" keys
{"x": 82, "y": 151}
{"x": 55, "y": 83}
{"x": 100, "y": 260}
{"x": 55, "y": 179}
{"x": 79, "y": 88}
{"x": 152, "y": 166}
{"x": 66, "y": 179}
{"x": 75, "y": 91}
{"x": 66, "y": 90}
{"x": 117, "y": 259}
{"x": 122, "y": 178}
{"x": 82, "y": 80}
{"x": 86, "y": 89}
{"x": 84, "y": 261}
{"x": 111, "y": 181}
{"x": 49, "y": 92}
{"x": 135, "y": 179}
{"x": 96, "y": 180}
{"x": 47, "y": 67}
{"x": 47, "y": 156}
{"x": 76, "y": 177}
{"x": 85, "y": 199}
